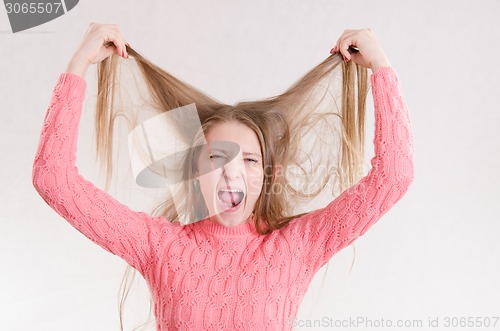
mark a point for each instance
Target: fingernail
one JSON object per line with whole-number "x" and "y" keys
{"x": 346, "y": 59}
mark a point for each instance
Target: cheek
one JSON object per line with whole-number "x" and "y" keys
{"x": 255, "y": 181}
{"x": 208, "y": 182}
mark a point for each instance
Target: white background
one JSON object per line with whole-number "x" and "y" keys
{"x": 434, "y": 254}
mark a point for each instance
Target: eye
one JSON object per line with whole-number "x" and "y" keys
{"x": 251, "y": 160}
{"x": 215, "y": 156}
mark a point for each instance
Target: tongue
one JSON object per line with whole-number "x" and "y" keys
{"x": 229, "y": 197}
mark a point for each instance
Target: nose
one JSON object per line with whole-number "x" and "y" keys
{"x": 235, "y": 168}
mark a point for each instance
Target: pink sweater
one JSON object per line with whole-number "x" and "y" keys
{"x": 205, "y": 276}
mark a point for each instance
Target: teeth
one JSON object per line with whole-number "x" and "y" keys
{"x": 237, "y": 199}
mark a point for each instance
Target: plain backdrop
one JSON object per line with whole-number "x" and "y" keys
{"x": 435, "y": 255}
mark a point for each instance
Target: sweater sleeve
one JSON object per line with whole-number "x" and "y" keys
{"x": 326, "y": 231}
{"x": 113, "y": 226}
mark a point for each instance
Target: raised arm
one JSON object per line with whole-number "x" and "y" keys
{"x": 326, "y": 231}
{"x": 129, "y": 234}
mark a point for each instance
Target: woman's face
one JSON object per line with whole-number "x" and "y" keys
{"x": 230, "y": 173}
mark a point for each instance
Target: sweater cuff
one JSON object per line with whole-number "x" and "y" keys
{"x": 71, "y": 85}
{"x": 386, "y": 76}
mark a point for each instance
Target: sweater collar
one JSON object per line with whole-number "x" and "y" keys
{"x": 218, "y": 230}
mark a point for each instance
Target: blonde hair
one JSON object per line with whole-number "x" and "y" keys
{"x": 324, "y": 109}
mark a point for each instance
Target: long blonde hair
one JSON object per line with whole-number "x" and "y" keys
{"x": 324, "y": 109}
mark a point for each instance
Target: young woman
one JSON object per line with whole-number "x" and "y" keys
{"x": 245, "y": 262}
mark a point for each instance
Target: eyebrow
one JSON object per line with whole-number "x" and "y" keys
{"x": 244, "y": 153}
{"x": 256, "y": 154}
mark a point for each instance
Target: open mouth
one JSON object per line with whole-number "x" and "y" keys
{"x": 230, "y": 198}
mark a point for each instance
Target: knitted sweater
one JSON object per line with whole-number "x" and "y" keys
{"x": 205, "y": 276}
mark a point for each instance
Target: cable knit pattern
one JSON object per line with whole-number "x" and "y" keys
{"x": 205, "y": 276}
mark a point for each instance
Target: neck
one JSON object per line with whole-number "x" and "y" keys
{"x": 216, "y": 228}
{"x": 215, "y": 219}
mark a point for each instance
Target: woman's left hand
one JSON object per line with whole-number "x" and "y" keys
{"x": 369, "y": 53}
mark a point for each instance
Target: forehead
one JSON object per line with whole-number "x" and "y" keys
{"x": 235, "y": 132}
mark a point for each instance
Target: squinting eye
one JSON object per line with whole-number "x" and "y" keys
{"x": 215, "y": 156}
{"x": 252, "y": 160}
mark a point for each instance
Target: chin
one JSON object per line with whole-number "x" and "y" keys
{"x": 230, "y": 215}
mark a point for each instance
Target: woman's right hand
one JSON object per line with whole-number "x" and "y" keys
{"x": 99, "y": 42}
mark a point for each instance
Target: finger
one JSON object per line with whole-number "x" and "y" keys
{"x": 357, "y": 58}
{"x": 344, "y": 49}
{"x": 122, "y": 50}
{"x": 337, "y": 44}
{"x": 118, "y": 44}
{"x": 344, "y": 42}
{"x": 109, "y": 50}
{"x": 348, "y": 44}
{"x": 109, "y": 34}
